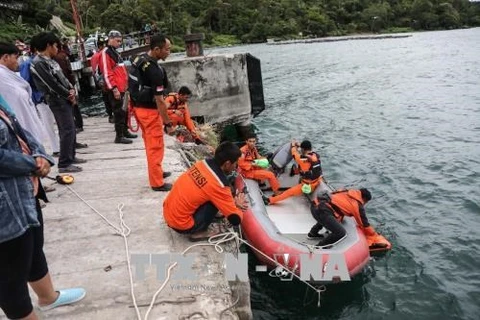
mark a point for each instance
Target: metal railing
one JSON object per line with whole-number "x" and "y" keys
{"x": 136, "y": 39}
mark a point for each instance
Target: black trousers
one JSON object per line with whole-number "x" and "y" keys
{"x": 203, "y": 217}
{"x": 63, "y": 112}
{"x": 106, "y": 101}
{"x": 22, "y": 261}
{"x": 77, "y": 116}
{"x": 325, "y": 217}
{"x": 119, "y": 115}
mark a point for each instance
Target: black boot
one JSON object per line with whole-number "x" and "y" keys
{"x": 122, "y": 140}
{"x": 129, "y": 135}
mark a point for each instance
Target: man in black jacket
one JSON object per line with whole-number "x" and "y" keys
{"x": 60, "y": 96}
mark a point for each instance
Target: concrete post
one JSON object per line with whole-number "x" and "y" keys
{"x": 193, "y": 44}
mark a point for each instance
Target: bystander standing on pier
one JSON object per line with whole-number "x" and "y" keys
{"x": 60, "y": 95}
{"x": 115, "y": 76}
{"x": 23, "y": 261}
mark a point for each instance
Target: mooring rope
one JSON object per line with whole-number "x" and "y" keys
{"x": 216, "y": 241}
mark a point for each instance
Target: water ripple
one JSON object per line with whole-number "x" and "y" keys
{"x": 401, "y": 118}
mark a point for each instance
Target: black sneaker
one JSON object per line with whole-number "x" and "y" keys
{"x": 129, "y": 135}
{"x": 56, "y": 154}
{"x": 123, "y": 140}
{"x": 78, "y": 160}
{"x": 111, "y": 119}
{"x": 266, "y": 200}
{"x": 165, "y": 187}
{"x": 79, "y": 145}
{"x": 70, "y": 169}
{"x": 324, "y": 243}
{"x": 218, "y": 217}
{"x": 166, "y": 174}
{"x": 314, "y": 236}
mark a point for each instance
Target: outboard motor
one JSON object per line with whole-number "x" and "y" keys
{"x": 281, "y": 158}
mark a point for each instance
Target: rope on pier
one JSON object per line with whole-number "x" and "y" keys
{"x": 216, "y": 241}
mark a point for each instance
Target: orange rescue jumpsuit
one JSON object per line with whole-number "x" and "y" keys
{"x": 350, "y": 203}
{"x": 150, "y": 120}
{"x": 250, "y": 171}
{"x": 151, "y": 124}
{"x": 305, "y": 164}
{"x": 203, "y": 182}
{"x": 179, "y": 113}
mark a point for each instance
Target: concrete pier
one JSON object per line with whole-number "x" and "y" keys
{"x": 83, "y": 250}
{"x": 226, "y": 88}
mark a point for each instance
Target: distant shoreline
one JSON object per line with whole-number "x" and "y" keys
{"x": 340, "y": 38}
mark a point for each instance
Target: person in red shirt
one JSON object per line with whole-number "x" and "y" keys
{"x": 201, "y": 192}
{"x": 99, "y": 82}
{"x": 250, "y": 170}
{"x": 115, "y": 76}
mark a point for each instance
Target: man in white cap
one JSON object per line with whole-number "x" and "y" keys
{"x": 115, "y": 77}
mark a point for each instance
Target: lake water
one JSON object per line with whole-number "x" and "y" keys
{"x": 402, "y": 118}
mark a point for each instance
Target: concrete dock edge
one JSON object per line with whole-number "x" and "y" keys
{"x": 82, "y": 250}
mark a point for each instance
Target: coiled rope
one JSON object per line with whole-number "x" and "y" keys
{"x": 215, "y": 241}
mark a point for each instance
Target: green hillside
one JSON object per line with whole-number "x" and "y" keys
{"x": 230, "y": 21}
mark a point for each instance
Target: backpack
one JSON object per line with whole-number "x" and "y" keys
{"x": 139, "y": 93}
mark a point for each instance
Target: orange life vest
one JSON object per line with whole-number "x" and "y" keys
{"x": 249, "y": 154}
{"x": 344, "y": 203}
{"x": 245, "y": 162}
{"x": 313, "y": 170}
{"x": 201, "y": 183}
{"x": 175, "y": 104}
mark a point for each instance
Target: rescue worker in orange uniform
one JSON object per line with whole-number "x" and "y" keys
{"x": 152, "y": 114}
{"x": 178, "y": 111}
{"x": 250, "y": 170}
{"x": 309, "y": 168}
{"x": 201, "y": 192}
{"x": 329, "y": 211}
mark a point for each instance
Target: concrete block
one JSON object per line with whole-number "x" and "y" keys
{"x": 219, "y": 84}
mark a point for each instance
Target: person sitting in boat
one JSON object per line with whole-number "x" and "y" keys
{"x": 201, "y": 192}
{"x": 309, "y": 168}
{"x": 329, "y": 211}
{"x": 179, "y": 113}
{"x": 252, "y": 164}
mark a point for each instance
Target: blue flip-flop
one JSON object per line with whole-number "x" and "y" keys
{"x": 66, "y": 296}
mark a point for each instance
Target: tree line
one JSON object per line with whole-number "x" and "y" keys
{"x": 250, "y": 21}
